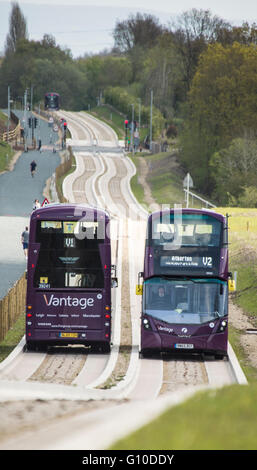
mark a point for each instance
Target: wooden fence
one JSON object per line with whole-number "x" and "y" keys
{"x": 12, "y": 305}
{"x": 15, "y": 133}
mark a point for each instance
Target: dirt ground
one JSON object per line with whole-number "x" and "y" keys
{"x": 20, "y": 416}
{"x": 240, "y": 321}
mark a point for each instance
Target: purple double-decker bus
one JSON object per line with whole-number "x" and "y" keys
{"x": 185, "y": 283}
{"x": 69, "y": 277}
{"x": 52, "y": 101}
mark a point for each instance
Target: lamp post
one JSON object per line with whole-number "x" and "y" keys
{"x": 9, "y": 114}
{"x": 132, "y": 129}
{"x": 151, "y": 121}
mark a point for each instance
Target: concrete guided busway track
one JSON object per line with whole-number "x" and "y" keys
{"x": 102, "y": 178}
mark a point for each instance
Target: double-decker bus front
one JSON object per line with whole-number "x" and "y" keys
{"x": 69, "y": 278}
{"x": 52, "y": 101}
{"x": 185, "y": 288}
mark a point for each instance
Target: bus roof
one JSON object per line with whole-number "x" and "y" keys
{"x": 71, "y": 210}
{"x": 203, "y": 211}
{"x": 51, "y": 93}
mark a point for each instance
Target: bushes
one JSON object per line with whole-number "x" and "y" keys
{"x": 122, "y": 100}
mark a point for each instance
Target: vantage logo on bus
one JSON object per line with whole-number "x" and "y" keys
{"x": 69, "y": 301}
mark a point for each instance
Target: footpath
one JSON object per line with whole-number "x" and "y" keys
{"x": 18, "y": 191}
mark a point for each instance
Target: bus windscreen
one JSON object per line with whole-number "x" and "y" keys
{"x": 193, "y": 301}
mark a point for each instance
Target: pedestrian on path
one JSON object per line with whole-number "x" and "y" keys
{"x": 33, "y": 167}
{"x": 36, "y": 204}
{"x": 25, "y": 241}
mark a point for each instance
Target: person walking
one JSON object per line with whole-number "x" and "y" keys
{"x": 25, "y": 241}
{"x": 33, "y": 167}
{"x": 36, "y": 204}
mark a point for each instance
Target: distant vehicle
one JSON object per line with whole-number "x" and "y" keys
{"x": 52, "y": 101}
{"x": 185, "y": 283}
{"x": 69, "y": 278}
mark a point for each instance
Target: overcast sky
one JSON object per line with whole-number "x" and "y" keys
{"x": 226, "y": 8}
{"x": 88, "y": 27}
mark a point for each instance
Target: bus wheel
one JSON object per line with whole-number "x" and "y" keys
{"x": 30, "y": 346}
{"x": 220, "y": 357}
{"x": 144, "y": 353}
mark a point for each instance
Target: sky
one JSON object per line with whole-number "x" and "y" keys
{"x": 85, "y": 26}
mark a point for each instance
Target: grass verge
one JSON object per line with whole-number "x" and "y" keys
{"x": 223, "y": 419}
{"x": 243, "y": 257}
{"x": 12, "y": 338}
{"x": 6, "y": 154}
{"x": 111, "y": 117}
{"x": 164, "y": 175}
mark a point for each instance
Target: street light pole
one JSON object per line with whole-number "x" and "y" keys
{"x": 25, "y": 121}
{"x": 132, "y": 129}
{"x": 151, "y": 121}
{"x": 139, "y": 115}
{"x": 31, "y": 113}
{"x": 9, "y": 114}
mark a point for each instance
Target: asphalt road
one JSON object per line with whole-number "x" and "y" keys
{"x": 18, "y": 190}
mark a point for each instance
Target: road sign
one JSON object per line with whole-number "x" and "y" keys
{"x": 45, "y": 202}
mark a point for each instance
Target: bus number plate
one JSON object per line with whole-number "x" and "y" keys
{"x": 184, "y": 346}
{"x": 68, "y": 335}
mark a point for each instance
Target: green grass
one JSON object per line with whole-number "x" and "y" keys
{"x": 243, "y": 257}
{"x": 165, "y": 179}
{"x": 111, "y": 117}
{"x": 6, "y": 154}
{"x": 211, "y": 420}
{"x": 12, "y": 338}
{"x": 59, "y": 181}
{"x": 136, "y": 187}
{"x": 3, "y": 118}
{"x": 115, "y": 119}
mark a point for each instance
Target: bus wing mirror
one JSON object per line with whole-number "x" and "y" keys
{"x": 114, "y": 282}
{"x": 114, "y": 270}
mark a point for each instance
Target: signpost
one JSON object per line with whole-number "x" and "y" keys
{"x": 187, "y": 183}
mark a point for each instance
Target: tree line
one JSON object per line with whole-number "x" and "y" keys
{"x": 202, "y": 73}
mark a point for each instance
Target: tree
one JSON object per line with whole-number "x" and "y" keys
{"x": 193, "y": 31}
{"x": 162, "y": 73}
{"x": 139, "y": 30}
{"x": 47, "y": 67}
{"x": 245, "y": 34}
{"x": 234, "y": 170}
{"x": 17, "y": 29}
{"x": 222, "y": 106}
{"x": 135, "y": 36}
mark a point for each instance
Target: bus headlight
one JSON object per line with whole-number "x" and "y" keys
{"x": 146, "y": 324}
{"x": 223, "y": 326}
